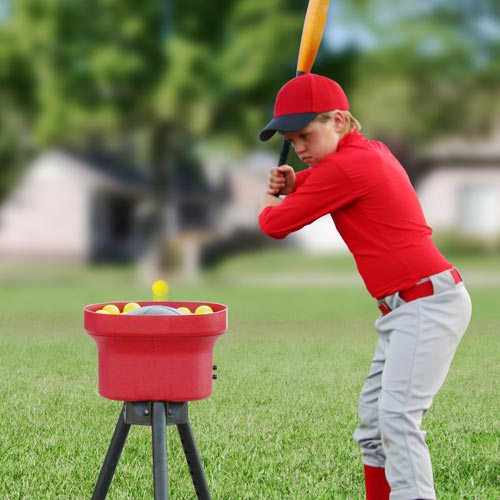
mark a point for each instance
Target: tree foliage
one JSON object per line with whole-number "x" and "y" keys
{"x": 92, "y": 63}
{"x": 432, "y": 68}
{"x": 113, "y": 72}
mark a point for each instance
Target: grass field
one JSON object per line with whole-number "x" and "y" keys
{"x": 280, "y": 420}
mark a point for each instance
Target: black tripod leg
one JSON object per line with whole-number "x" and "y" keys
{"x": 194, "y": 462}
{"x": 111, "y": 461}
{"x": 160, "y": 467}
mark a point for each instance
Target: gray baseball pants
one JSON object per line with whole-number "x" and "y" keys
{"x": 417, "y": 342}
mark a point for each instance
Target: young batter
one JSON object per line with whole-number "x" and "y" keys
{"x": 425, "y": 308}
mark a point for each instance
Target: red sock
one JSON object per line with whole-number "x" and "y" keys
{"x": 377, "y": 487}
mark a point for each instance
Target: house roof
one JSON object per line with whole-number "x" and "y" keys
{"x": 466, "y": 150}
{"x": 119, "y": 170}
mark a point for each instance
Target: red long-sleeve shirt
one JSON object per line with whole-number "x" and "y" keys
{"x": 375, "y": 209}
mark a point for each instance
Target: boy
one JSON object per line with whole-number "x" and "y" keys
{"x": 425, "y": 308}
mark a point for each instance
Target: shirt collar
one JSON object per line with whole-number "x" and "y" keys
{"x": 347, "y": 139}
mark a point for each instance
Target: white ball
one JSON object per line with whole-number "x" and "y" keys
{"x": 155, "y": 311}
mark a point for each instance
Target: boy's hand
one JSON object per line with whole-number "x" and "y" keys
{"x": 281, "y": 180}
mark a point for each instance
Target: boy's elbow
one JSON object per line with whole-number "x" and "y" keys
{"x": 267, "y": 227}
{"x": 274, "y": 234}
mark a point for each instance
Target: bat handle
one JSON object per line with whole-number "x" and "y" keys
{"x": 285, "y": 148}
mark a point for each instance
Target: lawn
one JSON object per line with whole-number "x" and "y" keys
{"x": 280, "y": 420}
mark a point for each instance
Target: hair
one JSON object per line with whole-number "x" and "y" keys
{"x": 351, "y": 123}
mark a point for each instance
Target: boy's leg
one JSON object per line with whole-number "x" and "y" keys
{"x": 424, "y": 335}
{"x": 368, "y": 434}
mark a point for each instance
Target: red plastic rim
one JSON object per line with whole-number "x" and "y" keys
{"x": 124, "y": 325}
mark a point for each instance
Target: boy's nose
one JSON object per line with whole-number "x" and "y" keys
{"x": 299, "y": 147}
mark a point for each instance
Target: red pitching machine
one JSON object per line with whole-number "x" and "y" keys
{"x": 155, "y": 364}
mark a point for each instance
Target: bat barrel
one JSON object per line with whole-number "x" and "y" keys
{"x": 312, "y": 32}
{"x": 314, "y": 25}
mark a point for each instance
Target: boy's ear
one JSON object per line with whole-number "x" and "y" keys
{"x": 339, "y": 121}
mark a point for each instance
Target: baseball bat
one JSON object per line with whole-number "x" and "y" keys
{"x": 312, "y": 33}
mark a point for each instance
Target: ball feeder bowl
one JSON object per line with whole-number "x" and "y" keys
{"x": 155, "y": 358}
{"x": 155, "y": 364}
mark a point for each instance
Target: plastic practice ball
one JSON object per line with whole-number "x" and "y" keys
{"x": 111, "y": 309}
{"x": 130, "y": 307}
{"x": 204, "y": 309}
{"x": 160, "y": 288}
{"x": 184, "y": 310}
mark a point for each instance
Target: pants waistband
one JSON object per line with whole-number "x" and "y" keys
{"x": 422, "y": 289}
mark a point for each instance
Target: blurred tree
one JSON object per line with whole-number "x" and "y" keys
{"x": 426, "y": 69}
{"x": 92, "y": 64}
{"x": 102, "y": 71}
{"x": 148, "y": 80}
{"x": 222, "y": 64}
{"x": 225, "y": 64}
{"x": 17, "y": 104}
{"x": 75, "y": 73}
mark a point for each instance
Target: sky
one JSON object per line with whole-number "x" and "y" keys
{"x": 346, "y": 28}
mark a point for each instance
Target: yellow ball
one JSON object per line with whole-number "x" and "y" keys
{"x": 184, "y": 310}
{"x": 111, "y": 309}
{"x": 102, "y": 311}
{"x": 204, "y": 309}
{"x": 160, "y": 288}
{"x": 130, "y": 307}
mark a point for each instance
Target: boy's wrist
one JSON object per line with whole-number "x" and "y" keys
{"x": 269, "y": 200}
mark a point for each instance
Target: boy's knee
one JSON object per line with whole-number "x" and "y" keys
{"x": 396, "y": 423}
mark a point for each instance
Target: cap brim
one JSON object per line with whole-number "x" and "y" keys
{"x": 286, "y": 123}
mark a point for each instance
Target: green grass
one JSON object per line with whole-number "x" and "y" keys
{"x": 280, "y": 420}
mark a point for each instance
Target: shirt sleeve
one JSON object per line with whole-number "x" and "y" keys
{"x": 301, "y": 177}
{"x": 321, "y": 190}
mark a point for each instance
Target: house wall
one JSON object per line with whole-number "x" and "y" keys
{"x": 465, "y": 199}
{"x": 46, "y": 217}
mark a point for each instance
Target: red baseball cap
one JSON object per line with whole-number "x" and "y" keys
{"x": 302, "y": 99}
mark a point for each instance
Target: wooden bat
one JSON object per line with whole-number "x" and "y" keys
{"x": 312, "y": 33}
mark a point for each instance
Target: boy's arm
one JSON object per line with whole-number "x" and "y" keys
{"x": 282, "y": 180}
{"x": 326, "y": 190}
{"x": 300, "y": 177}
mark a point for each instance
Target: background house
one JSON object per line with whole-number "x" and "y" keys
{"x": 81, "y": 210}
{"x": 459, "y": 187}
{"x": 90, "y": 210}
{"x": 66, "y": 209}
{"x": 71, "y": 209}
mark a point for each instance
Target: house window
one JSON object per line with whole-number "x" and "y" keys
{"x": 479, "y": 211}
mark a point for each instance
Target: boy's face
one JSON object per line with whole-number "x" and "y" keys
{"x": 317, "y": 140}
